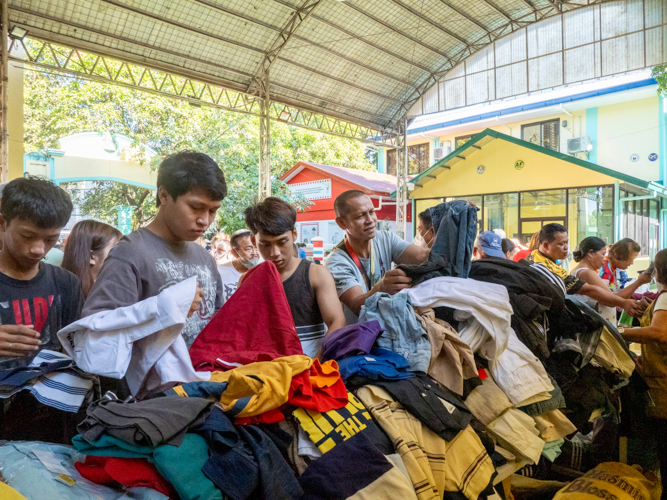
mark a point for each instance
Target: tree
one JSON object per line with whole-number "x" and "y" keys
{"x": 57, "y": 106}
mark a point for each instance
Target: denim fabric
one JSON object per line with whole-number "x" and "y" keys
{"x": 455, "y": 223}
{"x": 403, "y": 333}
{"x": 276, "y": 480}
{"x": 231, "y": 466}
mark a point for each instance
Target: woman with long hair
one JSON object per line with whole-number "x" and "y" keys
{"x": 652, "y": 335}
{"x": 87, "y": 247}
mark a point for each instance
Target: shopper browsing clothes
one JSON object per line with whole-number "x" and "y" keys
{"x": 553, "y": 248}
{"x": 310, "y": 290}
{"x": 652, "y": 335}
{"x": 362, "y": 263}
{"x": 152, "y": 258}
{"x": 245, "y": 256}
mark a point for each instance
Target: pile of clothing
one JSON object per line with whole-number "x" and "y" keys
{"x": 443, "y": 391}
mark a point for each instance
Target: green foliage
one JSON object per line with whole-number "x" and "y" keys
{"x": 660, "y": 74}
{"x": 57, "y": 106}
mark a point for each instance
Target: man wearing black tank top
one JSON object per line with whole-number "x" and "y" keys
{"x": 310, "y": 290}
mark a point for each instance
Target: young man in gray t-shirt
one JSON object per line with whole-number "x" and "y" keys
{"x": 362, "y": 264}
{"x": 150, "y": 259}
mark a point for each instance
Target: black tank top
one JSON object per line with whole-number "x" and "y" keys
{"x": 301, "y": 298}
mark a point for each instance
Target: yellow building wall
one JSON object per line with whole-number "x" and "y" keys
{"x": 622, "y": 129}
{"x": 15, "y": 119}
{"x": 540, "y": 172}
{"x": 629, "y": 128}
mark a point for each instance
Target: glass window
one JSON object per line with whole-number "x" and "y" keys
{"x": 545, "y": 134}
{"x": 418, "y": 159}
{"x": 501, "y": 211}
{"x": 541, "y": 204}
{"x": 460, "y": 141}
{"x": 590, "y": 213}
{"x": 640, "y": 222}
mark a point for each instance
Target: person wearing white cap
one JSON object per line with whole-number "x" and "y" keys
{"x": 488, "y": 245}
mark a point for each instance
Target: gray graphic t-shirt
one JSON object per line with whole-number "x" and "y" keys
{"x": 143, "y": 264}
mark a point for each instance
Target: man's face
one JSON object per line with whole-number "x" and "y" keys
{"x": 277, "y": 249}
{"x": 360, "y": 221}
{"x": 189, "y": 215}
{"x": 245, "y": 249}
{"x": 559, "y": 248}
{"x": 26, "y": 243}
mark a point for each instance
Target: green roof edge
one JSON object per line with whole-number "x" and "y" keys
{"x": 550, "y": 152}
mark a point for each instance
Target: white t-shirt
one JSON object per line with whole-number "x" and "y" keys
{"x": 230, "y": 279}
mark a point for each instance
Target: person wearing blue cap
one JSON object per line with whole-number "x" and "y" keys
{"x": 488, "y": 245}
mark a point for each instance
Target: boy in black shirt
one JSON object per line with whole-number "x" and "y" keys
{"x": 36, "y": 299}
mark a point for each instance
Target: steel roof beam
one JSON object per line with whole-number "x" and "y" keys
{"x": 430, "y": 21}
{"x": 306, "y": 40}
{"x": 105, "y": 69}
{"x": 396, "y": 30}
{"x": 298, "y": 16}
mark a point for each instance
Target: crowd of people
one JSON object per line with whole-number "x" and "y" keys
{"x": 466, "y": 355}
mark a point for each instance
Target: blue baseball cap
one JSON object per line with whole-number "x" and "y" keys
{"x": 491, "y": 243}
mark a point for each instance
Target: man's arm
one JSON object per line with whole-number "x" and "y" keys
{"x": 605, "y": 297}
{"x": 393, "y": 282}
{"x": 327, "y": 298}
{"x": 655, "y": 333}
{"x": 414, "y": 255}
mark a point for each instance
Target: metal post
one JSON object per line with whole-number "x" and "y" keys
{"x": 617, "y": 211}
{"x": 4, "y": 100}
{"x": 402, "y": 178}
{"x": 264, "y": 138}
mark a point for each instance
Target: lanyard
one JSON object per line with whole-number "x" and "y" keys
{"x": 370, "y": 281}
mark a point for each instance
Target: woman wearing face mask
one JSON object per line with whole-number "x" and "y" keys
{"x": 426, "y": 232}
{"x": 87, "y": 248}
{"x": 245, "y": 256}
{"x": 590, "y": 257}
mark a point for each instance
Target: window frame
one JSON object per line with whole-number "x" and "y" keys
{"x": 541, "y": 124}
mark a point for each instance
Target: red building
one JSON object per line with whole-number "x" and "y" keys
{"x": 321, "y": 184}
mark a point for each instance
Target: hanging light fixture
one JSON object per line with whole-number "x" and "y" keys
{"x": 17, "y": 33}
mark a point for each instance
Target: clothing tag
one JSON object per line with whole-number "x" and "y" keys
{"x": 482, "y": 373}
{"x": 369, "y": 359}
{"x": 62, "y": 478}
{"x": 450, "y": 407}
{"x": 50, "y": 461}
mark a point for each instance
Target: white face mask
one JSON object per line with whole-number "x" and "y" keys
{"x": 420, "y": 241}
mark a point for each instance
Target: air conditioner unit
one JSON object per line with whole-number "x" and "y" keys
{"x": 579, "y": 145}
{"x": 441, "y": 152}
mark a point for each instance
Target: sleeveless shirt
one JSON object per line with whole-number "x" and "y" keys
{"x": 310, "y": 326}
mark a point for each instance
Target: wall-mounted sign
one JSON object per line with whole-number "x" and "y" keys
{"x": 634, "y": 157}
{"x": 481, "y": 169}
{"x": 313, "y": 190}
{"x": 653, "y": 156}
{"x": 309, "y": 230}
{"x": 519, "y": 164}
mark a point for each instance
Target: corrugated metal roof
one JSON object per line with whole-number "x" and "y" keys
{"x": 381, "y": 184}
{"x": 364, "y": 60}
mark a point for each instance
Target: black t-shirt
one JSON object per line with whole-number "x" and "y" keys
{"x": 50, "y": 301}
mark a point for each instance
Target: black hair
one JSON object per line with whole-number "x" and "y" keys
{"x": 234, "y": 240}
{"x": 36, "y": 200}
{"x": 271, "y": 217}
{"x": 586, "y": 246}
{"x": 549, "y": 231}
{"x": 88, "y": 236}
{"x": 660, "y": 262}
{"x": 621, "y": 249}
{"x": 426, "y": 218}
{"x": 507, "y": 245}
{"x": 181, "y": 172}
{"x": 340, "y": 205}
